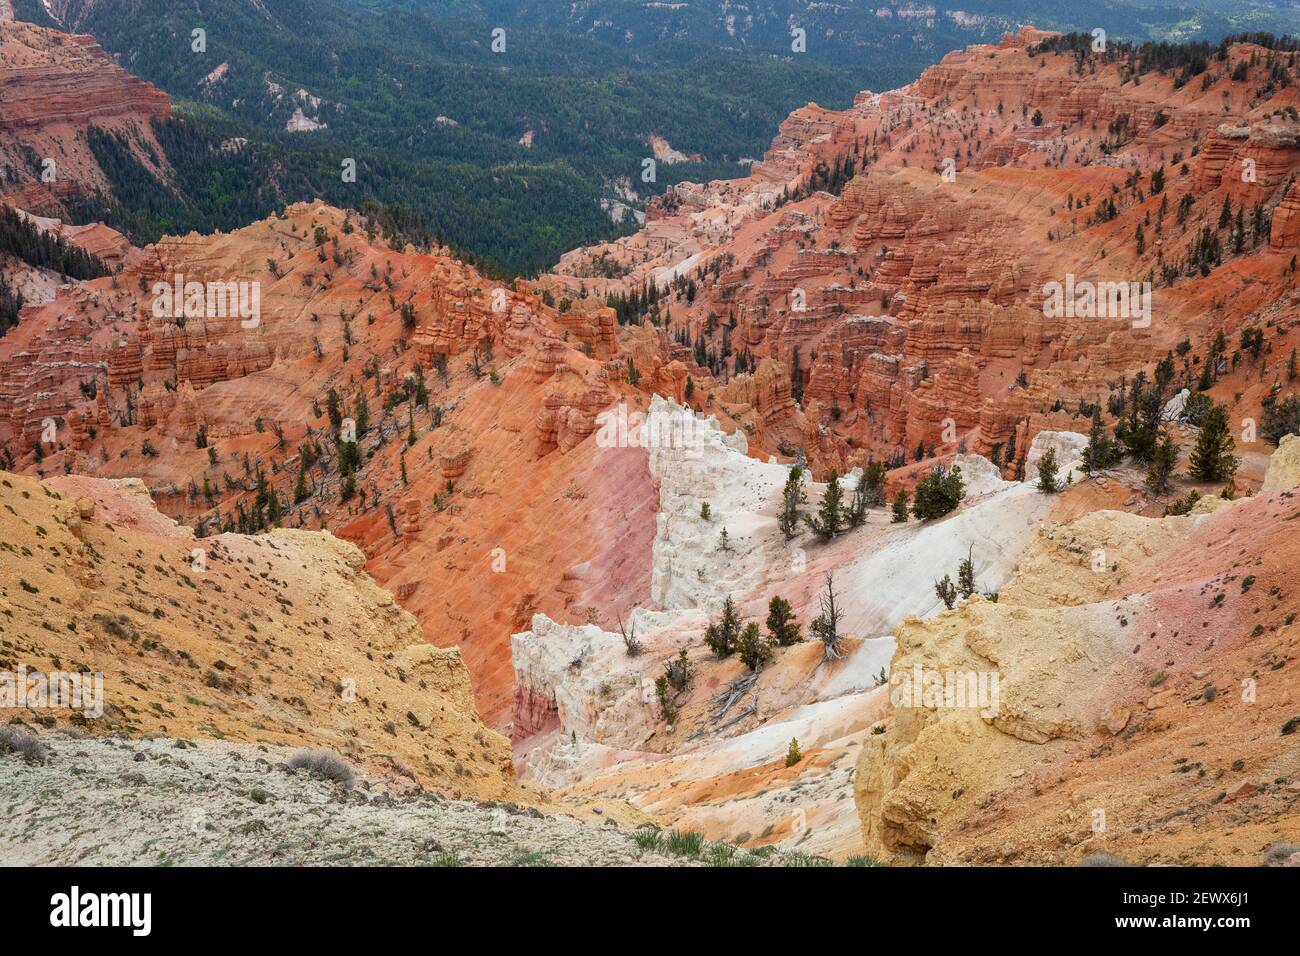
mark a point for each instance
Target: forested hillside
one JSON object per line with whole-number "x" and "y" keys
{"x": 23, "y": 240}
{"x": 515, "y": 129}
{"x": 507, "y": 154}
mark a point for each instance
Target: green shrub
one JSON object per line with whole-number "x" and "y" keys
{"x": 649, "y": 839}
{"x": 794, "y": 754}
{"x": 685, "y": 843}
{"x": 938, "y": 493}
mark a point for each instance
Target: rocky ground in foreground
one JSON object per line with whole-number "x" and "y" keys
{"x": 110, "y": 801}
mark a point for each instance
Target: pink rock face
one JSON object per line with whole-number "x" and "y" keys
{"x": 411, "y": 511}
{"x": 534, "y": 713}
{"x": 53, "y": 78}
{"x": 1285, "y": 233}
{"x": 55, "y": 85}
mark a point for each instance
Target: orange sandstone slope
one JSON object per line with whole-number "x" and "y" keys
{"x": 52, "y": 86}
{"x": 907, "y": 311}
{"x": 477, "y": 500}
{"x": 278, "y": 638}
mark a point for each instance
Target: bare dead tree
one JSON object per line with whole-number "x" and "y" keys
{"x": 475, "y": 365}
{"x": 827, "y": 625}
{"x": 629, "y": 638}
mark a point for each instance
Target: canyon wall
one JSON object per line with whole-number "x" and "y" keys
{"x": 52, "y": 87}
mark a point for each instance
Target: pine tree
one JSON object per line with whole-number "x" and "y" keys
{"x": 752, "y": 648}
{"x": 946, "y": 591}
{"x": 421, "y": 388}
{"x": 1048, "y": 483}
{"x": 333, "y": 409}
{"x": 868, "y": 493}
{"x": 721, "y": 636}
{"x": 938, "y": 493}
{"x": 1212, "y": 458}
{"x": 794, "y": 754}
{"x": 630, "y": 643}
{"x": 792, "y": 496}
{"x": 829, "y": 520}
{"x": 781, "y": 624}
{"x": 900, "y": 507}
{"x": 1161, "y": 469}
{"x": 362, "y": 417}
{"x": 1281, "y": 418}
{"x": 667, "y": 709}
{"x": 826, "y": 628}
{"x": 1164, "y": 373}
{"x": 1141, "y": 429}
{"x": 1100, "y": 453}
{"x": 966, "y": 575}
{"x": 678, "y": 671}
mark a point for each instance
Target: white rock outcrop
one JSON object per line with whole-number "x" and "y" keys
{"x": 1069, "y": 448}
{"x": 696, "y": 463}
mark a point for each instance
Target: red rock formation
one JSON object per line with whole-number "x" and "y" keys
{"x": 1285, "y": 232}
{"x": 411, "y": 512}
{"x": 455, "y": 463}
{"x": 909, "y": 305}
{"x": 569, "y": 409}
{"x": 152, "y": 405}
{"x": 594, "y": 326}
{"x": 1248, "y": 161}
{"x": 53, "y": 86}
{"x": 674, "y": 380}
{"x": 78, "y": 432}
{"x": 125, "y": 363}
